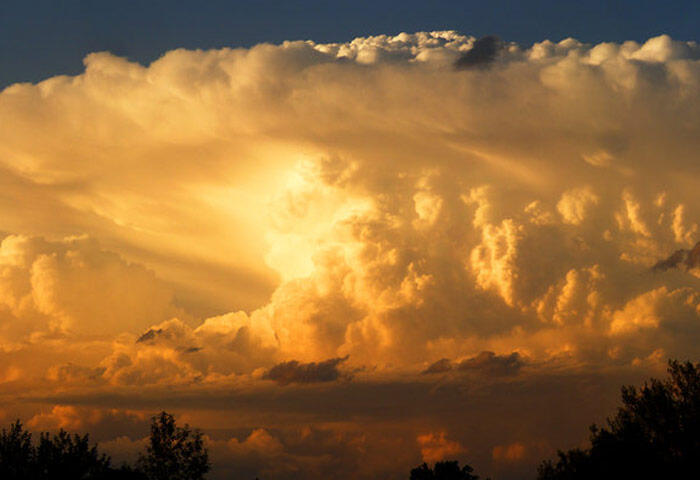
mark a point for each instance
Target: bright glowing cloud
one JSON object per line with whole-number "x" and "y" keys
{"x": 338, "y": 217}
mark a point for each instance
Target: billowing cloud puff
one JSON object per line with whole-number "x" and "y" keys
{"x": 173, "y": 352}
{"x": 221, "y": 218}
{"x": 436, "y": 447}
{"x": 100, "y": 423}
{"x": 72, "y": 286}
{"x": 574, "y": 204}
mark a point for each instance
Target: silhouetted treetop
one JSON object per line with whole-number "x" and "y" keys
{"x": 447, "y": 470}
{"x": 54, "y": 457}
{"x": 16, "y": 452}
{"x": 174, "y": 453}
{"x": 69, "y": 456}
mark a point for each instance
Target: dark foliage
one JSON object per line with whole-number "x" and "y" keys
{"x": 16, "y": 453}
{"x": 69, "y": 456}
{"x": 55, "y": 457}
{"x": 443, "y": 471}
{"x": 655, "y": 434}
{"x": 174, "y": 453}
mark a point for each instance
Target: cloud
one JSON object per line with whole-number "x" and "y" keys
{"x": 150, "y": 335}
{"x": 439, "y": 232}
{"x": 436, "y": 447}
{"x": 488, "y": 363}
{"x": 295, "y": 372}
{"x": 98, "y": 422}
{"x": 245, "y": 218}
{"x": 317, "y": 450}
{"x": 440, "y": 366}
{"x": 72, "y": 286}
{"x": 174, "y": 352}
{"x": 575, "y": 203}
{"x": 482, "y": 53}
{"x": 260, "y": 441}
{"x": 485, "y": 363}
{"x": 681, "y": 258}
{"x": 354, "y": 426}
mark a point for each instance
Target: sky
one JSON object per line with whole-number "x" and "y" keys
{"x": 344, "y": 256}
{"x": 42, "y": 38}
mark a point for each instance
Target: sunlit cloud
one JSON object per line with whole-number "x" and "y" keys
{"x": 304, "y": 224}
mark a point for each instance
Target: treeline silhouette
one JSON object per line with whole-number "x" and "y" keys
{"x": 655, "y": 434}
{"x": 173, "y": 453}
{"x": 447, "y": 470}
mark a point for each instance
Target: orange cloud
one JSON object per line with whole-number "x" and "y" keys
{"x": 88, "y": 419}
{"x": 435, "y": 446}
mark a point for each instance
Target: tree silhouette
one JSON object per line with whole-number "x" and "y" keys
{"x": 55, "y": 457}
{"x": 16, "y": 453}
{"x": 447, "y": 470}
{"x": 655, "y": 434}
{"x": 174, "y": 453}
{"x": 69, "y": 456}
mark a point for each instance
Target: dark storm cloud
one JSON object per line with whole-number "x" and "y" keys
{"x": 482, "y": 53}
{"x": 489, "y": 363}
{"x": 441, "y": 366}
{"x": 314, "y": 372}
{"x": 150, "y": 335}
{"x": 679, "y": 259}
{"x": 486, "y": 363}
{"x": 191, "y": 349}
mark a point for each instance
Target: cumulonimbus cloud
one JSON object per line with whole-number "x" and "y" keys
{"x": 502, "y": 222}
{"x": 220, "y": 215}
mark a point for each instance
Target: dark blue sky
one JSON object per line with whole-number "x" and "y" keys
{"x": 40, "y": 38}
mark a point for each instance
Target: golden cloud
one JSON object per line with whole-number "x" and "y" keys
{"x": 199, "y": 220}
